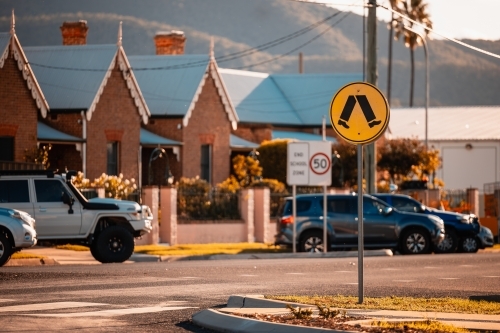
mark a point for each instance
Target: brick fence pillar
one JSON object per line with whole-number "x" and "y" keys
{"x": 150, "y": 198}
{"x": 247, "y": 205}
{"x": 168, "y": 223}
{"x": 473, "y": 200}
{"x": 261, "y": 214}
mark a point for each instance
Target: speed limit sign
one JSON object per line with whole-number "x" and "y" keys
{"x": 319, "y": 163}
{"x": 309, "y": 163}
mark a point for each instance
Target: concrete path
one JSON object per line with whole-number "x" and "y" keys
{"x": 222, "y": 320}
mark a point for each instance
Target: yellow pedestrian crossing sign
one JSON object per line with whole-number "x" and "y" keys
{"x": 359, "y": 113}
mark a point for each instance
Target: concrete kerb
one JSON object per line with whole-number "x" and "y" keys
{"x": 222, "y": 320}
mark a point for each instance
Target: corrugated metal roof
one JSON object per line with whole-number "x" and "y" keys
{"x": 301, "y": 136}
{"x": 237, "y": 142}
{"x": 311, "y": 94}
{"x": 47, "y": 133}
{"x": 150, "y": 139}
{"x": 4, "y": 44}
{"x": 70, "y": 76}
{"x": 257, "y": 98}
{"x": 446, "y": 123}
{"x": 169, "y": 83}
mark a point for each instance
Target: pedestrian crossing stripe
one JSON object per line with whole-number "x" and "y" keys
{"x": 47, "y": 306}
{"x": 359, "y": 113}
{"x": 112, "y": 312}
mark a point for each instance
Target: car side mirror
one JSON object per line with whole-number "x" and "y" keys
{"x": 387, "y": 210}
{"x": 68, "y": 200}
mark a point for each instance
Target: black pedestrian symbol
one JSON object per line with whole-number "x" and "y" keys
{"x": 365, "y": 107}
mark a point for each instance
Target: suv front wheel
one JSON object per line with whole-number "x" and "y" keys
{"x": 5, "y": 249}
{"x": 415, "y": 241}
{"x": 312, "y": 241}
{"x": 448, "y": 244}
{"x": 114, "y": 244}
{"x": 469, "y": 244}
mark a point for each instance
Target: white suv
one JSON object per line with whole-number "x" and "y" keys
{"x": 17, "y": 231}
{"x": 64, "y": 215}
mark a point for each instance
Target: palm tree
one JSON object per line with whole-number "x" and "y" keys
{"x": 417, "y": 11}
{"x": 395, "y": 6}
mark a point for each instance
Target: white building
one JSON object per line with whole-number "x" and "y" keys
{"x": 468, "y": 140}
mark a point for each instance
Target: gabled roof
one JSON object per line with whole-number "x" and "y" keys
{"x": 73, "y": 76}
{"x": 46, "y": 133}
{"x": 171, "y": 84}
{"x": 300, "y": 136}
{"x": 311, "y": 94}
{"x": 10, "y": 39}
{"x": 446, "y": 123}
{"x": 283, "y": 99}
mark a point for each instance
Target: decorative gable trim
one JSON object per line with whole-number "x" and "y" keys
{"x": 97, "y": 96}
{"x": 28, "y": 75}
{"x": 213, "y": 70}
{"x": 133, "y": 86}
{"x": 4, "y": 55}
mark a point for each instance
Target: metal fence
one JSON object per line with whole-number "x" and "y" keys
{"x": 211, "y": 205}
{"x": 7, "y": 165}
{"x": 456, "y": 200}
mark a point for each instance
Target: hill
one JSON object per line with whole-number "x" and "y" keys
{"x": 458, "y": 76}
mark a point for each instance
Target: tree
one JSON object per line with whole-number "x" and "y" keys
{"x": 345, "y": 166}
{"x": 416, "y": 10}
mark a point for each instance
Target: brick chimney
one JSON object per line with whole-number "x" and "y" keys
{"x": 74, "y": 33}
{"x": 170, "y": 42}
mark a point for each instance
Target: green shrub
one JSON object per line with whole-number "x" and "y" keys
{"x": 272, "y": 158}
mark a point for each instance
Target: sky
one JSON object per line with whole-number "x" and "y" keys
{"x": 474, "y": 19}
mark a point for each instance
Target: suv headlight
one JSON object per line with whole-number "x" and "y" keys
{"x": 464, "y": 218}
{"x": 24, "y": 217}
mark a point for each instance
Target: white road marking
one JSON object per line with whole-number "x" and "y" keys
{"x": 351, "y": 283}
{"x": 48, "y": 306}
{"x": 6, "y": 300}
{"x": 190, "y": 277}
{"x": 391, "y": 269}
{"x": 344, "y": 271}
{"x": 466, "y": 266}
{"x": 404, "y": 280}
{"x": 295, "y": 273}
{"x": 248, "y": 275}
{"x": 449, "y": 279}
{"x": 115, "y": 312}
{"x": 492, "y": 276}
{"x": 430, "y": 267}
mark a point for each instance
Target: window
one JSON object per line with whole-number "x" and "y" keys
{"x": 302, "y": 206}
{"x": 206, "y": 162}
{"x": 406, "y": 205}
{"x": 338, "y": 205}
{"x": 6, "y": 148}
{"x": 49, "y": 190}
{"x": 372, "y": 207}
{"x": 14, "y": 191}
{"x": 112, "y": 165}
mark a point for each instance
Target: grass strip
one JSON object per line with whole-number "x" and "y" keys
{"x": 424, "y": 325}
{"x": 209, "y": 249}
{"x": 446, "y": 304}
{"x": 26, "y": 255}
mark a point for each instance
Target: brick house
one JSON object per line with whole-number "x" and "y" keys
{"x": 96, "y": 106}
{"x": 189, "y": 107}
{"x": 21, "y": 99}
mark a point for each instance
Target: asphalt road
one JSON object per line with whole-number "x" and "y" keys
{"x": 161, "y": 297}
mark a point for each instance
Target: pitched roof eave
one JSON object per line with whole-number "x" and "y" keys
{"x": 133, "y": 86}
{"x": 99, "y": 92}
{"x": 28, "y": 75}
{"x": 185, "y": 120}
{"x": 223, "y": 93}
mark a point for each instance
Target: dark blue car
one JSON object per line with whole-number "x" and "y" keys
{"x": 461, "y": 230}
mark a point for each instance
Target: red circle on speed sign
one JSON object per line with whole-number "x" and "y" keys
{"x": 319, "y": 163}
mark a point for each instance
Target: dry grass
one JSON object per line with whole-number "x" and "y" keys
{"x": 208, "y": 249}
{"x": 73, "y": 247}
{"x": 425, "y": 325}
{"x": 447, "y": 304}
{"x": 26, "y": 255}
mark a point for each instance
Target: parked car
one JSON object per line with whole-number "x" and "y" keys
{"x": 17, "y": 231}
{"x": 384, "y": 227}
{"x": 461, "y": 230}
{"x": 485, "y": 237}
{"x": 64, "y": 215}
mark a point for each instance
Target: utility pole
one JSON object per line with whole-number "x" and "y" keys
{"x": 370, "y": 160}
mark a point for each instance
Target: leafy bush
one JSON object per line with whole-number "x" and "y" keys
{"x": 272, "y": 158}
{"x": 114, "y": 186}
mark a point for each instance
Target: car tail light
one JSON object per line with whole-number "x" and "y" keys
{"x": 287, "y": 220}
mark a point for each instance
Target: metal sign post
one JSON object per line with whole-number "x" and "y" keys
{"x": 359, "y": 113}
{"x": 361, "y": 245}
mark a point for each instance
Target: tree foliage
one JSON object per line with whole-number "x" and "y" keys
{"x": 273, "y": 156}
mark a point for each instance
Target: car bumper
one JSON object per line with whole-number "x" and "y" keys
{"x": 142, "y": 227}
{"x": 27, "y": 237}
{"x": 485, "y": 238}
{"x": 438, "y": 236}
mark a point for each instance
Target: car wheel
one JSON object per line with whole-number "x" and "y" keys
{"x": 415, "y": 241}
{"x": 5, "y": 249}
{"x": 95, "y": 252}
{"x": 448, "y": 244}
{"x": 114, "y": 244}
{"x": 469, "y": 244}
{"x": 312, "y": 241}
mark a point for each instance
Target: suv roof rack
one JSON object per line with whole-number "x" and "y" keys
{"x": 48, "y": 173}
